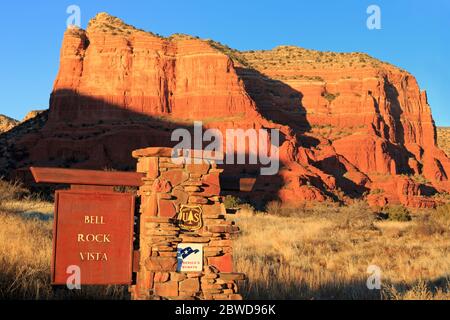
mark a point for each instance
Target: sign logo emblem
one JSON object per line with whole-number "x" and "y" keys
{"x": 189, "y": 257}
{"x": 190, "y": 218}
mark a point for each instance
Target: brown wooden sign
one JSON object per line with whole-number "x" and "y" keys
{"x": 93, "y": 226}
{"x": 93, "y": 231}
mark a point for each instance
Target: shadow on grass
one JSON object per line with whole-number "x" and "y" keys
{"x": 355, "y": 289}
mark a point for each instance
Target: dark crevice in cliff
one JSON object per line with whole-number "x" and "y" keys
{"x": 396, "y": 111}
{"x": 275, "y": 100}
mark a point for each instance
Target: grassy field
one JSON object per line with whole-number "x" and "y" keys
{"x": 306, "y": 253}
{"x": 324, "y": 253}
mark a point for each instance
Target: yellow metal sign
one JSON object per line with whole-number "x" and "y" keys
{"x": 190, "y": 218}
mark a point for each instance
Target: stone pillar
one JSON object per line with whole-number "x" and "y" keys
{"x": 168, "y": 187}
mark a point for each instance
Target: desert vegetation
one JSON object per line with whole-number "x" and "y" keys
{"x": 25, "y": 250}
{"x": 334, "y": 133}
{"x": 293, "y": 57}
{"x": 113, "y": 25}
{"x": 319, "y": 251}
{"x": 324, "y": 251}
{"x": 443, "y": 134}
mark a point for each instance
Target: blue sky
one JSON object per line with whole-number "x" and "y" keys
{"x": 415, "y": 35}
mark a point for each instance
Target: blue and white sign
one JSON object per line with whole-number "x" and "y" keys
{"x": 190, "y": 257}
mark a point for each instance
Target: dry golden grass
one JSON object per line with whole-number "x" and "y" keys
{"x": 320, "y": 252}
{"x": 443, "y": 135}
{"x": 25, "y": 251}
{"x": 324, "y": 253}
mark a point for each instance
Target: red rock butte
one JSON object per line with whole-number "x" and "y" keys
{"x": 352, "y": 126}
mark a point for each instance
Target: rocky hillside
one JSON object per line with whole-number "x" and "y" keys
{"x": 7, "y": 123}
{"x": 33, "y": 114}
{"x": 13, "y": 155}
{"x": 352, "y": 126}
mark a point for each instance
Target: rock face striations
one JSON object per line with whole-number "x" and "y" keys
{"x": 115, "y": 64}
{"x": 351, "y": 126}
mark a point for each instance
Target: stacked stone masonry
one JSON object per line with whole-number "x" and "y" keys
{"x": 167, "y": 186}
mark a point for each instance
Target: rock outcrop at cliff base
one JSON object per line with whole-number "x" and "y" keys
{"x": 352, "y": 126}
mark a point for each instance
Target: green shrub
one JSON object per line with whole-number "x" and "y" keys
{"x": 398, "y": 213}
{"x": 330, "y": 96}
{"x": 231, "y": 202}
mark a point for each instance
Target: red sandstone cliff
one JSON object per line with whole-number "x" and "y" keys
{"x": 144, "y": 74}
{"x": 352, "y": 126}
